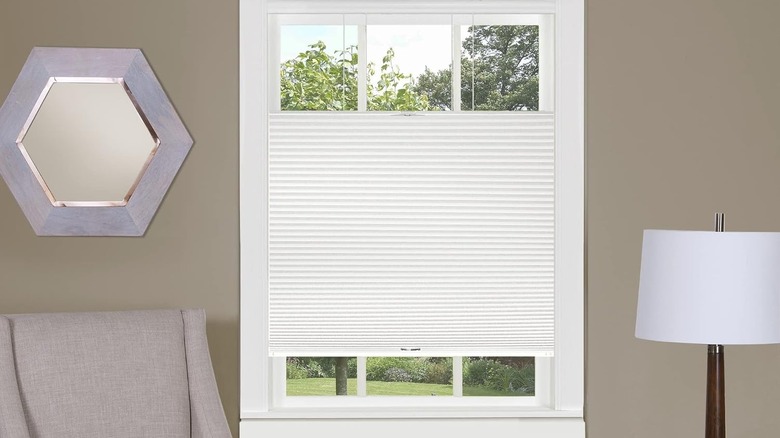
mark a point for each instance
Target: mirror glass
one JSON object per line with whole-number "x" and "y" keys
{"x": 88, "y": 144}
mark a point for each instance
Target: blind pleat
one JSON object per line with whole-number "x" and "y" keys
{"x": 428, "y": 235}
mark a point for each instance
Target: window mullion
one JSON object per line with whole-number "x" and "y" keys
{"x": 362, "y": 76}
{"x": 547, "y": 63}
{"x": 457, "y": 376}
{"x": 455, "y": 66}
{"x": 274, "y": 54}
{"x": 361, "y": 376}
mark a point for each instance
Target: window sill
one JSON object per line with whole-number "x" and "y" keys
{"x": 414, "y": 412}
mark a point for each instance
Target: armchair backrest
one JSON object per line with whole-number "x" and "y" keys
{"x": 108, "y": 374}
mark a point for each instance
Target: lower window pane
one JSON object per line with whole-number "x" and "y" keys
{"x": 498, "y": 376}
{"x": 321, "y": 376}
{"x": 409, "y": 376}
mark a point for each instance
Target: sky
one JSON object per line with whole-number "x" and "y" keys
{"x": 415, "y": 46}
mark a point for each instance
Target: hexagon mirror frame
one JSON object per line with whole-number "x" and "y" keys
{"x": 128, "y": 66}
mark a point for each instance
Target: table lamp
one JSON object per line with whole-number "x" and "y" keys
{"x": 714, "y": 288}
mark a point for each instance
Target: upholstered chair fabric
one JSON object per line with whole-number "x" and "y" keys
{"x": 108, "y": 375}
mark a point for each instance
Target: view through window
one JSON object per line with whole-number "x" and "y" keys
{"x": 411, "y": 376}
{"x": 410, "y": 68}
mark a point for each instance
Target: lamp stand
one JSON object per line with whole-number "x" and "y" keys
{"x": 715, "y": 426}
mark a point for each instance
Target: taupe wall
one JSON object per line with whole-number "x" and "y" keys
{"x": 682, "y": 120}
{"x": 682, "y": 110}
{"x": 189, "y": 256}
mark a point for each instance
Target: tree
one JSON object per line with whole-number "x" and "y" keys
{"x": 342, "y": 373}
{"x": 500, "y": 62}
{"x": 436, "y": 86}
{"x": 317, "y": 80}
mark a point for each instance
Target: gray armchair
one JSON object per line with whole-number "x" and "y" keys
{"x": 108, "y": 375}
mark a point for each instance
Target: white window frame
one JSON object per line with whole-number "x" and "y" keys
{"x": 566, "y": 372}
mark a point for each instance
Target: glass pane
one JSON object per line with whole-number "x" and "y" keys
{"x": 498, "y": 376}
{"x": 321, "y": 376}
{"x": 500, "y": 68}
{"x": 423, "y": 376}
{"x": 318, "y": 68}
{"x": 408, "y": 67}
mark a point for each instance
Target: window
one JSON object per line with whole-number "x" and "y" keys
{"x": 434, "y": 64}
{"x": 412, "y": 209}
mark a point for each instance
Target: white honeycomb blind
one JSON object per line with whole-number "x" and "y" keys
{"x": 411, "y": 235}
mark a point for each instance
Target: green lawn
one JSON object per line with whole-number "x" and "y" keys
{"x": 326, "y": 386}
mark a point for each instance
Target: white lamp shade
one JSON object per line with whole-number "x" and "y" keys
{"x": 706, "y": 287}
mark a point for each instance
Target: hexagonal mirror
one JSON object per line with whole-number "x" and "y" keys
{"x": 89, "y": 142}
{"x": 97, "y": 166}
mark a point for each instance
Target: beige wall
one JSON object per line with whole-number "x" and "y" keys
{"x": 682, "y": 120}
{"x": 189, "y": 256}
{"x": 681, "y": 123}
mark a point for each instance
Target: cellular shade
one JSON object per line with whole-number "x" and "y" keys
{"x": 419, "y": 235}
{"x": 709, "y": 287}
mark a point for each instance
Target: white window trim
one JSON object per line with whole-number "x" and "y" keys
{"x": 567, "y": 373}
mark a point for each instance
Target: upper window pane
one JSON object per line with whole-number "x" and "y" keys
{"x": 408, "y": 67}
{"x": 500, "y": 68}
{"x": 402, "y": 60}
{"x": 318, "y": 68}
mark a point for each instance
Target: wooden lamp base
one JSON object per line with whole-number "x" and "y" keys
{"x": 715, "y": 425}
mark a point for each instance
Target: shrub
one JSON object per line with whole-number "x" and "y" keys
{"x": 316, "y": 369}
{"x": 493, "y": 374}
{"x": 476, "y": 372}
{"x": 439, "y": 371}
{"x": 296, "y": 370}
{"x": 397, "y": 375}
{"x": 415, "y": 368}
{"x": 352, "y": 368}
{"x": 312, "y": 366}
{"x": 510, "y": 379}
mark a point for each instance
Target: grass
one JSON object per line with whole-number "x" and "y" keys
{"x": 327, "y": 386}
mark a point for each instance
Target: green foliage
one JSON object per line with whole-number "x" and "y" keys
{"x": 397, "y": 375}
{"x": 500, "y": 62}
{"x": 296, "y": 370}
{"x": 481, "y": 376}
{"x": 315, "y": 80}
{"x": 439, "y": 371}
{"x": 505, "y": 67}
{"x": 318, "y": 81}
{"x": 352, "y": 368}
{"x": 378, "y": 368}
{"x": 312, "y": 367}
{"x": 436, "y": 87}
{"x": 498, "y": 376}
{"x": 475, "y": 372}
{"x": 325, "y": 386}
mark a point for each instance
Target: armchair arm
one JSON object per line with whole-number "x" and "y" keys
{"x": 12, "y": 421}
{"x": 207, "y": 414}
